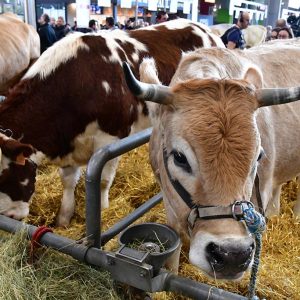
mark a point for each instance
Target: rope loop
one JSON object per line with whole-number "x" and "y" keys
{"x": 256, "y": 225}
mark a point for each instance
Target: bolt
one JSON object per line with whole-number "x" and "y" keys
{"x": 143, "y": 273}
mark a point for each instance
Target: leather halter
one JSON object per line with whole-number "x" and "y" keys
{"x": 209, "y": 212}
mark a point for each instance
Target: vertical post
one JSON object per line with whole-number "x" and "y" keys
{"x": 30, "y": 12}
{"x": 195, "y": 11}
{"x": 136, "y": 10}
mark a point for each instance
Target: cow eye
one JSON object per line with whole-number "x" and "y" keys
{"x": 181, "y": 161}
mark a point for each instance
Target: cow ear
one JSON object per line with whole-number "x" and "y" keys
{"x": 23, "y": 152}
{"x": 17, "y": 151}
{"x": 254, "y": 76}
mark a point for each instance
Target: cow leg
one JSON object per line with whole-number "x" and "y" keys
{"x": 297, "y": 203}
{"x": 69, "y": 177}
{"x": 107, "y": 178}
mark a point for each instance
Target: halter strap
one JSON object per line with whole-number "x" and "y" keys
{"x": 209, "y": 212}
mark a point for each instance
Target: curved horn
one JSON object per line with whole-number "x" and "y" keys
{"x": 267, "y": 97}
{"x": 146, "y": 91}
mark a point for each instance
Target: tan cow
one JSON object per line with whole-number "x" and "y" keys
{"x": 213, "y": 129}
{"x": 19, "y": 45}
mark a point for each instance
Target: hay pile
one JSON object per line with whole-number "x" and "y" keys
{"x": 279, "y": 276}
{"x": 54, "y": 276}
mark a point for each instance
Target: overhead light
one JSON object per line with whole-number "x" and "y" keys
{"x": 210, "y": 1}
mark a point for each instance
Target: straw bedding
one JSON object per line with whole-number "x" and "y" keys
{"x": 279, "y": 275}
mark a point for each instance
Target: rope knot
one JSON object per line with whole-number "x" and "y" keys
{"x": 255, "y": 221}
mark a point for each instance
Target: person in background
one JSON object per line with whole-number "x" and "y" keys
{"x": 110, "y": 23}
{"x": 75, "y": 26}
{"x": 274, "y": 33}
{"x": 282, "y": 23}
{"x": 60, "y": 28}
{"x": 285, "y": 33}
{"x": 52, "y": 22}
{"x": 161, "y": 17}
{"x": 291, "y": 18}
{"x": 92, "y": 26}
{"x": 46, "y": 33}
{"x": 233, "y": 37}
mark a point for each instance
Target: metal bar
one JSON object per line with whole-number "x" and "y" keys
{"x": 197, "y": 290}
{"x": 129, "y": 219}
{"x": 165, "y": 281}
{"x": 49, "y": 239}
{"x": 93, "y": 178}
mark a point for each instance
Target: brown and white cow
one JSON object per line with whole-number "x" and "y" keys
{"x": 214, "y": 128}
{"x": 74, "y": 99}
{"x": 17, "y": 176}
{"x": 19, "y": 46}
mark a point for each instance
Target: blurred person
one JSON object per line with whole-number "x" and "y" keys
{"x": 52, "y": 22}
{"x": 161, "y": 17}
{"x": 285, "y": 33}
{"x": 281, "y": 23}
{"x": 274, "y": 33}
{"x": 233, "y": 37}
{"x": 74, "y": 28}
{"x": 46, "y": 33}
{"x": 110, "y": 23}
{"x": 60, "y": 28}
{"x": 92, "y": 25}
{"x": 291, "y": 19}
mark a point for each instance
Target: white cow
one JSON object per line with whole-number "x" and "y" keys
{"x": 214, "y": 128}
{"x": 19, "y": 45}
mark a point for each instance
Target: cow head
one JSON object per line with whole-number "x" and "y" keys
{"x": 205, "y": 149}
{"x": 17, "y": 177}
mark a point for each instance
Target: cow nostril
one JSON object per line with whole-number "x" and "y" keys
{"x": 215, "y": 255}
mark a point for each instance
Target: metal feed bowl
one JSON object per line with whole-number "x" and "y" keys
{"x": 153, "y": 243}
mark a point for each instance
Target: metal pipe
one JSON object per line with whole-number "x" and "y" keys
{"x": 197, "y": 290}
{"x": 131, "y": 273}
{"x": 93, "y": 178}
{"x": 49, "y": 239}
{"x": 129, "y": 219}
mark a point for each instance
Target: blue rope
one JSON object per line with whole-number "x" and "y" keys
{"x": 256, "y": 225}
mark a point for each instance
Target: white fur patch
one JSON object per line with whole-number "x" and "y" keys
{"x": 113, "y": 45}
{"x": 142, "y": 122}
{"x": 62, "y": 51}
{"x": 106, "y": 87}
{"x": 25, "y": 182}
{"x": 15, "y": 209}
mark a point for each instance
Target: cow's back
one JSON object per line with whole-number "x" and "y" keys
{"x": 19, "y": 44}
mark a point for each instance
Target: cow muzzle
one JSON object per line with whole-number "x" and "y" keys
{"x": 229, "y": 260}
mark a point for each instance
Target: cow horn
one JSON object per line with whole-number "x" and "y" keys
{"x": 267, "y": 97}
{"x": 146, "y": 91}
